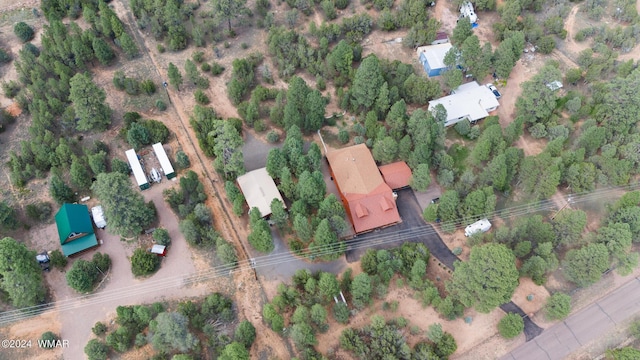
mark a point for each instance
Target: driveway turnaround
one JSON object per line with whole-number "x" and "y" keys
{"x": 579, "y": 329}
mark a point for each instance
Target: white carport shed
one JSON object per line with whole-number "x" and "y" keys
{"x": 158, "y": 149}
{"x": 136, "y": 167}
{"x": 259, "y": 190}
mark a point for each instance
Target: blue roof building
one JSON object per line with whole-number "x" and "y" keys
{"x": 432, "y": 58}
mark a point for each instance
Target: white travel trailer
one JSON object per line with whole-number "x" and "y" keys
{"x": 479, "y": 226}
{"x": 98, "y": 217}
{"x": 466, "y": 11}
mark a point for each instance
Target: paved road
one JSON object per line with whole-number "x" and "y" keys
{"x": 280, "y": 265}
{"x": 255, "y": 151}
{"x": 579, "y": 329}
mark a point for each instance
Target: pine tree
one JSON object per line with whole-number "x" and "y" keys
{"x": 175, "y": 78}
{"x": 88, "y": 100}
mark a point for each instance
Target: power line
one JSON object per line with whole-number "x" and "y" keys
{"x": 276, "y": 259}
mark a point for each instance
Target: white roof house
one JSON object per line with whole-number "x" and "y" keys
{"x": 158, "y": 149}
{"x": 432, "y": 58}
{"x": 469, "y": 101}
{"x": 470, "y": 86}
{"x": 138, "y": 173}
{"x": 259, "y": 190}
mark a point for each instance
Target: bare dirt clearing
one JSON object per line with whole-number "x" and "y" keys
{"x": 570, "y": 26}
{"x": 30, "y": 331}
{"x": 467, "y": 336}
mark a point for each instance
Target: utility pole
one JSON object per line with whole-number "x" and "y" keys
{"x": 562, "y": 208}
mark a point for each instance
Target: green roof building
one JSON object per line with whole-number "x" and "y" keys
{"x": 75, "y": 229}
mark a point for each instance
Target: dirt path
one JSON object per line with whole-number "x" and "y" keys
{"x": 564, "y": 59}
{"x": 569, "y": 25}
{"x": 248, "y": 289}
{"x": 445, "y": 16}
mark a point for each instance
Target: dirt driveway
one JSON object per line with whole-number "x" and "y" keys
{"x": 78, "y": 313}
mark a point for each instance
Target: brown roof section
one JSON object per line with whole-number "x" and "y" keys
{"x": 355, "y": 170}
{"x": 367, "y": 198}
{"x": 396, "y": 175}
{"x": 441, "y": 35}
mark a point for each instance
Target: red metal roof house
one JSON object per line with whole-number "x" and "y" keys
{"x": 369, "y": 201}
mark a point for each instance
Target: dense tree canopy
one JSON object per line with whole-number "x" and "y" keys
{"x": 228, "y": 9}
{"x": 585, "y": 266}
{"x": 88, "y": 100}
{"x": 558, "y": 306}
{"x": 143, "y": 262}
{"x": 367, "y": 83}
{"x": 171, "y": 332}
{"x": 487, "y": 280}
{"x": 23, "y": 31}
{"x": 8, "y": 216}
{"x": 123, "y": 206}
{"x": 511, "y": 325}
{"x": 20, "y": 275}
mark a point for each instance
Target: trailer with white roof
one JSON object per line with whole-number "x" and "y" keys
{"x": 136, "y": 167}
{"x": 479, "y": 226}
{"x": 167, "y": 168}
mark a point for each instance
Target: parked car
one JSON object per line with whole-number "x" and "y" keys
{"x": 494, "y": 90}
{"x": 155, "y": 175}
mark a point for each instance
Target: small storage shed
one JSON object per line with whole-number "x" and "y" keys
{"x": 441, "y": 38}
{"x": 167, "y": 168}
{"x": 554, "y": 85}
{"x": 159, "y": 250}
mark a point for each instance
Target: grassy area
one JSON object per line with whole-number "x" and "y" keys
{"x": 14, "y": 16}
{"x": 459, "y": 153}
{"x": 146, "y": 103}
{"x": 331, "y": 139}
